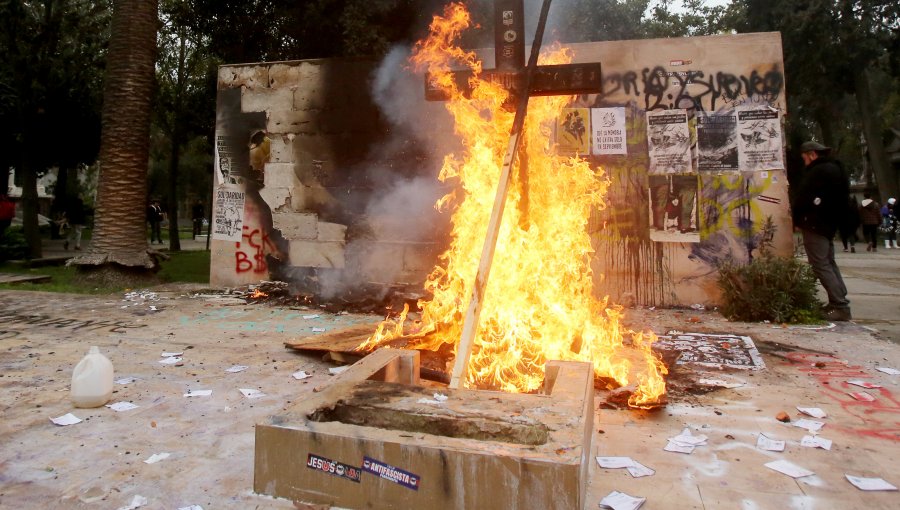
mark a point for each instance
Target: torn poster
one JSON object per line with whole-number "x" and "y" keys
{"x": 713, "y": 350}
{"x": 760, "y": 145}
{"x": 229, "y": 214}
{"x": 608, "y": 131}
{"x": 669, "y": 142}
{"x": 717, "y": 141}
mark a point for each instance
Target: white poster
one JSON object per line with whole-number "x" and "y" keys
{"x": 669, "y": 141}
{"x": 759, "y": 145}
{"x": 608, "y": 135}
{"x": 228, "y": 217}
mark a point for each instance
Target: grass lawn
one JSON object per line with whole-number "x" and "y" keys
{"x": 183, "y": 266}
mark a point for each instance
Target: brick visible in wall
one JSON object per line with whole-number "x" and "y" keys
{"x": 281, "y": 175}
{"x": 281, "y": 149}
{"x": 252, "y": 77}
{"x": 266, "y": 100}
{"x": 317, "y": 254}
{"x": 331, "y": 232}
{"x": 297, "y": 226}
{"x": 285, "y": 75}
{"x": 283, "y": 122}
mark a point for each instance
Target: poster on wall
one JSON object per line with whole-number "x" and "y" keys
{"x": 674, "y": 208}
{"x": 608, "y": 131}
{"x": 717, "y": 141}
{"x": 669, "y": 141}
{"x": 573, "y": 131}
{"x": 759, "y": 143}
{"x": 228, "y": 216}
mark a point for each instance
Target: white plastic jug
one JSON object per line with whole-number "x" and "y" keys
{"x": 92, "y": 381}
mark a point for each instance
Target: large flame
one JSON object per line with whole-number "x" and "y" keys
{"x": 539, "y": 303}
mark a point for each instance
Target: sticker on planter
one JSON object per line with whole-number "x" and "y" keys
{"x": 391, "y": 474}
{"x": 333, "y": 467}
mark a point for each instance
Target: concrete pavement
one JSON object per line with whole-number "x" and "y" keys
{"x": 873, "y": 285}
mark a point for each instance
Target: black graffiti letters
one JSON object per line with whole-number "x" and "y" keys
{"x": 46, "y": 321}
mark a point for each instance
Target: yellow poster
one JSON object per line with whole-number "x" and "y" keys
{"x": 573, "y": 131}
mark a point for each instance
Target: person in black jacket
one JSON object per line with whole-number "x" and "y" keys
{"x": 819, "y": 207}
{"x": 76, "y": 218}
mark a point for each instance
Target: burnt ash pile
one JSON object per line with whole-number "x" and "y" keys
{"x": 367, "y": 298}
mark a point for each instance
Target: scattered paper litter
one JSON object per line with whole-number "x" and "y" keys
{"x": 870, "y": 484}
{"x": 686, "y": 438}
{"x": 816, "y": 442}
{"x": 888, "y": 370}
{"x": 66, "y": 419}
{"x": 429, "y": 401}
{"x": 236, "y": 368}
{"x": 301, "y": 374}
{"x": 172, "y": 354}
{"x": 772, "y": 445}
{"x": 170, "y": 360}
{"x": 810, "y": 425}
{"x": 126, "y": 380}
{"x": 672, "y": 446}
{"x": 251, "y": 393}
{"x": 192, "y": 507}
{"x": 615, "y": 462}
{"x": 815, "y": 412}
{"x": 338, "y": 370}
{"x": 198, "y": 393}
{"x": 136, "y": 502}
{"x": 621, "y": 501}
{"x": 318, "y": 330}
{"x": 789, "y": 468}
{"x": 315, "y": 316}
{"x": 440, "y": 397}
{"x": 862, "y": 396}
{"x": 638, "y": 470}
{"x": 156, "y": 457}
{"x": 152, "y": 308}
{"x": 720, "y": 383}
{"x": 122, "y": 406}
{"x": 864, "y": 384}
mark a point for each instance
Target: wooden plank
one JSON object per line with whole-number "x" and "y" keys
{"x": 340, "y": 340}
{"x": 23, "y": 278}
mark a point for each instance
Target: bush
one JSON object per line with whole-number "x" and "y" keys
{"x": 772, "y": 288}
{"x": 13, "y": 245}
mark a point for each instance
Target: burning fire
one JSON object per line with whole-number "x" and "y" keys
{"x": 539, "y": 303}
{"x": 257, "y": 294}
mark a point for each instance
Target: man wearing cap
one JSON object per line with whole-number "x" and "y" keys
{"x": 818, "y": 208}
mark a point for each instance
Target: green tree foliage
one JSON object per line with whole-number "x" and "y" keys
{"x": 51, "y": 69}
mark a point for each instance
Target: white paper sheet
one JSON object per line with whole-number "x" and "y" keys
{"x": 170, "y": 360}
{"x": 299, "y": 375}
{"x": 122, "y": 406}
{"x": 888, "y": 370}
{"x": 126, "y": 380}
{"x": 136, "y": 502}
{"x": 172, "y": 354}
{"x": 864, "y": 384}
{"x": 66, "y": 419}
{"x": 316, "y": 316}
{"x": 621, "y": 501}
{"x": 870, "y": 484}
{"x": 765, "y": 443}
{"x": 338, "y": 370}
{"x": 236, "y": 368}
{"x": 815, "y": 412}
{"x": 198, "y": 393}
{"x": 251, "y": 393}
{"x": 816, "y": 442}
{"x": 810, "y": 425}
{"x": 789, "y": 468}
{"x": 156, "y": 457}
{"x": 614, "y": 462}
{"x": 638, "y": 470}
{"x": 318, "y": 330}
{"x": 672, "y": 446}
{"x": 192, "y": 507}
{"x": 862, "y": 396}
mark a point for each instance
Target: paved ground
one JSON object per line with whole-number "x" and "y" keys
{"x": 99, "y": 462}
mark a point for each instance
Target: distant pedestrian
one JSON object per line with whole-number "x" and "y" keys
{"x": 870, "y": 216}
{"x": 75, "y": 217}
{"x": 155, "y": 216}
{"x": 819, "y": 205}
{"x": 889, "y": 223}
{"x": 849, "y": 225}
{"x": 198, "y": 214}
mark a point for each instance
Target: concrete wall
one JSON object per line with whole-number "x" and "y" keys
{"x": 321, "y": 125}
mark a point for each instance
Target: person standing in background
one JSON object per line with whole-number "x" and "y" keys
{"x": 7, "y": 213}
{"x": 870, "y": 217}
{"x": 155, "y": 216}
{"x": 850, "y": 225}
{"x": 818, "y": 208}
{"x": 889, "y": 223}
{"x": 197, "y": 215}
{"x": 76, "y": 218}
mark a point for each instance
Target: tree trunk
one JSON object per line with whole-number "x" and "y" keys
{"x": 174, "y": 158}
{"x": 120, "y": 239}
{"x": 871, "y": 121}
{"x": 30, "y": 213}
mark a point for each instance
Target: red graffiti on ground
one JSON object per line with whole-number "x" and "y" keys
{"x": 832, "y": 375}
{"x": 254, "y": 258}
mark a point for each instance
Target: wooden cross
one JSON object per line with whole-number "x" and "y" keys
{"x": 522, "y": 81}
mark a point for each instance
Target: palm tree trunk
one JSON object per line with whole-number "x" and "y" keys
{"x": 120, "y": 216}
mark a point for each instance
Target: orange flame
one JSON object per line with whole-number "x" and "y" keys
{"x": 539, "y": 303}
{"x": 258, "y": 294}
